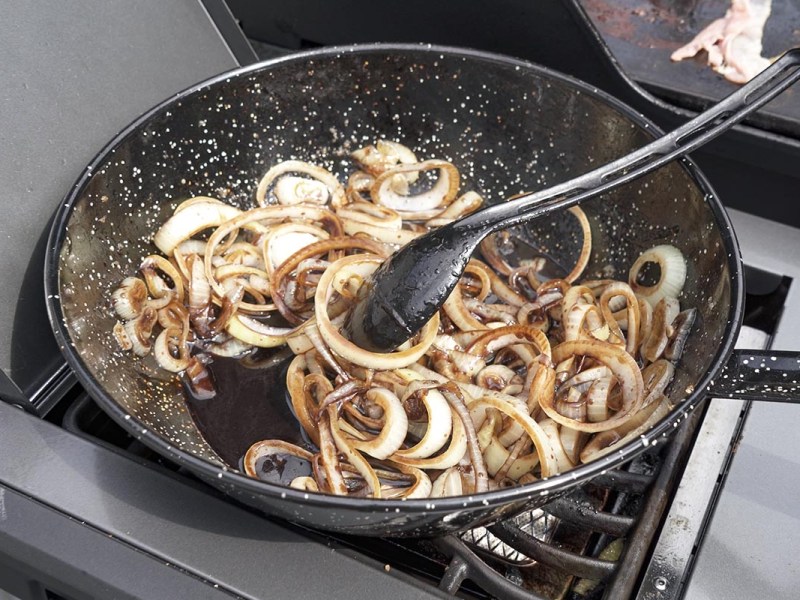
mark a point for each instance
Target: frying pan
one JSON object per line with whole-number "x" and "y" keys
{"x": 508, "y": 125}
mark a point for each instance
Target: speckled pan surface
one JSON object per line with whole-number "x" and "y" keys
{"x": 507, "y": 125}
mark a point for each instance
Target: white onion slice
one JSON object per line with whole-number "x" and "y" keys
{"x": 296, "y": 190}
{"x": 192, "y": 219}
{"x": 451, "y": 455}
{"x": 673, "y": 273}
{"x": 439, "y": 426}
{"x": 391, "y": 437}
{"x": 256, "y": 333}
{"x": 363, "y": 265}
{"x": 324, "y": 176}
{"x": 441, "y": 194}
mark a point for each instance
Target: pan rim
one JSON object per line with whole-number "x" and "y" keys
{"x": 550, "y": 486}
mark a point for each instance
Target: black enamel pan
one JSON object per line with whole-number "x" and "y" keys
{"x": 509, "y": 125}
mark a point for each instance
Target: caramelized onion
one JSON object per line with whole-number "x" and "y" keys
{"x": 519, "y": 377}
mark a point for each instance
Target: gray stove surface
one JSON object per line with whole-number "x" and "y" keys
{"x": 74, "y": 74}
{"x": 750, "y": 549}
{"x": 125, "y": 522}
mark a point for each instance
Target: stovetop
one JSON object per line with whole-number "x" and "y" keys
{"x": 81, "y": 518}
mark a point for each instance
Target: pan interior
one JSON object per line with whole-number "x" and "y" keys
{"x": 508, "y": 127}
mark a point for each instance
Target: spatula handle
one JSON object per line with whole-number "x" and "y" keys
{"x": 689, "y": 136}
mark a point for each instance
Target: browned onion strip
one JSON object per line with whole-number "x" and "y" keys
{"x": 456, "y": 400}
{"x": 458, "y": 313}
{"x": 170, "y": 350}
{"x": 657, "y": 376}
{"x": 306, "y": 393}
{"x": 364, "y": 265}
{"x": 370, "y": 214}
{"x": 297, "y": 166}
{"x": 623, "y": 290}
{"x": 656, "y": 342}
{"x": 271, "y": 447}
{"x": 551, "y": 430}
{"x": 317, "y": 249}
{"x": 329, "y": 457}
{"x": 495, "y": 339}
{"x": 420, "y": 488}
{"x": 584, "y": 320}
{"x": 156, "y": 285}
{"x": 258, "y": 215}
{"x": 461, "y": 206}
{"x": 500, "y": 288}
{"x": 395, "y": 425}
{"x": 532, "y": 429}
{"x": 352, "y": 455}
{"x": 586, "y": 247}
{"x": 439, "y": 196}
{"x": 621, "y": 364}
{"x": 439, "y": 422}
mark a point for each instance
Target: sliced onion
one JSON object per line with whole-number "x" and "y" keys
{"x": 155, "y": 283}
{"x": 457, "y": 402}
{"x": 364, "y": 265}
{"x": 190, "y": 220}
{"x": 395, "y": 426}
{"x": 609, "y": 441}
{"x": 397, "y": 237}
{"x": 461, "y": 206}
{"x": 551, "y": 430}
{"x": 384, "y": 155}
{"x": 656, "y": 342}
{"x": 140, "y": 329}
{"x": 586, "y": 247}
{"x": 544, "y": 448}
{"x": 621, "y": 364}
{"x": 421, "y": 488}
{"x": 440, "y": 195}
{"x": 450, "y": 456}
{"x": 353, "y": 456}
{"x": 448, "y": 483}
{"x": 673, "y": 273}
{"x": 270, "y": 214}
{"x": 129, "y": 298}
{"x": 256, "y": 333}
{"x": 455, "y": 308}
{"x": 297, "y": 190}
{"x": 287, "y": 239}
{"x": 169, "y": 342}
{"x": 319, "y": 174}
{"x": 306, "y": 484}
{"x": 622, "y": 290}
{"x": 271, "y": 447}
{"x": 438, "y": 427}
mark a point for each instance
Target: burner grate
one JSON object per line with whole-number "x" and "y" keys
{"x": 536, "y": 523}
{"x": 588, "y": 545}
{"x": 546, "y": 554}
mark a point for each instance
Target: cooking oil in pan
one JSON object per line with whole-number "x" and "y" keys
{"x": 250, "y": 405}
